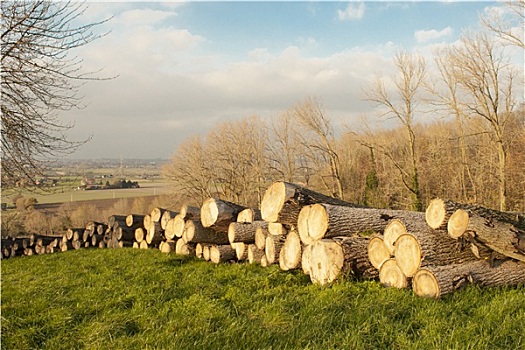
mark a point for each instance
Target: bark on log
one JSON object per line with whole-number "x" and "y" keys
{"x": 222, "y": 253}
{"x": 500, "y": 236}
{"x": 437, "y": 281}
{"x": 283, "y": 201}
{"x": 244, "y": 232}
{"x": 218, "y": 214}
{"x": 134, "y": 221}
{"x": 195, "y": 232}
{"x": 255, "y": 254}
{"x": 121, "y": 219}
{"x": 322, "y": 220}
{"x": 290, "y": 254}
{"x": 249, "y": 215}
{"x": 390, "y": 275}
{"x": 96, "y": 239}
{"x": 124, "y": 234}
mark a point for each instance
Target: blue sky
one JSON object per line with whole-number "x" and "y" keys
{"x": 183, "y": 67}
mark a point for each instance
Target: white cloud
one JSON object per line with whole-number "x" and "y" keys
{"x": 353, "y": 11}
{"x": 423, "y": 36}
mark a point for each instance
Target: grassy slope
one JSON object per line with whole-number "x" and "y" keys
{"x": 136, "y": 299}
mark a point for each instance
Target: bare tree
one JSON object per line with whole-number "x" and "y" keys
{"x": 487, "y": 82}
{"x": 507, "y": 22}
{"x": 39, "y": 79}
{"x": 319, "y": 139}
{"x": 401, "y": 103}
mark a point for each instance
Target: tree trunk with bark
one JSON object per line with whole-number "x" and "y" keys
{"x": 195, "y": 232}
{"x": 218, "y": 214}
{"x": 244, "y": 232}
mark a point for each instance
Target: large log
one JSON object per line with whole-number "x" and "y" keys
{"x": 283, "y": 201}
{"x": 499, "y": 235}
{"x": 183, "y": 248}
{"x": 254, "y": 254}
{"x": 323, "y": 220}
{"x": 195, "y": 232}
{"x": 218, "y": 214}
{"x": 378, "y": 252}
{"x": 290, "y": 254}
{"x": 260, "y": 237}
{"x": 139, "y": 235}
{"x": 134, "y": 221}
{"x": 120, "y": 219}
{"x": 244, "y": 232}
{"x": 175, "y": 227}
{"x": 154, "y": 234}
{"x": 437, "y": 281}
{"x": 273, "y": 248}
{"x": 124, "y": 234}
{"x": 156, "y": 214}
{"x": 188, "y": 212}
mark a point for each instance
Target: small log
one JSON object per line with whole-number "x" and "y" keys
{"x": 143, "y": 244}
{"x": 277, "y": 229}
{"x": 240, "y": 250}
{"x": 273, "y": 248}
{"x": 260, "y": 237}
{"x": 438, "y": 212}
{"x": 249, "y": 215}
{"x": 183, "y": 248}
{"x": 378, "y": 253}
{"x": 166, "y": 216}
{"x": 206, "y": 252}
{"x": 167, "y": 246}
{"x": 283, "y": 201}
{"x": 222, "y": 253}
{"x": 290, "y": 254}
{"x": 244, "y": 232}
{"x": 146, "y": 221}
{"x": 254, "y": 254}
{"x": 438, "y": 281}
{"x": 120, "y": 219}
{"x": 102, "y": 228}
{"x": 390, "y": 275}
{"x": 322, "y": 220}
{"x": 124, "y": 234}
{"x": 198, "y": 250}
{"x": 134, "y": 221}
{"x": 139, "y": 234}
{"x": 219, "y": 214}
{"x": 154, "y": 233}
{"x": 195, "y": 232}
{"x": 188, "y": 212}
{"x": 96, "y": 239}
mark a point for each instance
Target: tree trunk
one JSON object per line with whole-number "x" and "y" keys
{"x": 195, "y": 232}
{"x": 244, "y": 232}
{"x": 355, "y": 257}
{"x": 438, "y": 212}
{"x": 437, "y": 281}
{"x": 283, "y": 201}
{"x": 255, "y": 254}
{"x": 218, "y": 214}
{"x": 222, "y": 253}
{"x": 290, "y": 255}
{"x": 320, "y": 221}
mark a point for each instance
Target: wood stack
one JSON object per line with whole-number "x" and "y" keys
{"x": 435, "y": 253}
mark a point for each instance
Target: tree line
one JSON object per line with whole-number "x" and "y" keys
{"x": 470, "y": 147}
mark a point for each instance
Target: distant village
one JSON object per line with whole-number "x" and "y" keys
{"x": 97, "y": 183}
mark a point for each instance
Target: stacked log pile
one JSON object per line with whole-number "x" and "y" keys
{"x": 435, "y": 253}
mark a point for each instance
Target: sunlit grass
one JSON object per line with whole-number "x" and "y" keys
{"x": 136, "y": 299}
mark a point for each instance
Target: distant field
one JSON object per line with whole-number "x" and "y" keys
{"x": 147, "y": 188}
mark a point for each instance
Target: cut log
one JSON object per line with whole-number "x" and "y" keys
{"x": 143, "y": 244}
{"x": 198, "y": 250}
{"x": 222, "y": 253}
{"x": 139, "y": 234}
{"x": 154, "y": 234}
{"x": 96, "y": 239}
{"x": 188, "y": 212}
{"x": 378, "y": 253}
{"x": 146, "y": 221}
{"x": 437, "y": 281}
{"x": 273, "y": 248}
{"x": 244, "y": 232}
{"x": 240, "y": 250}
{"x": 277, "y": 229}
{"x": 166, "y": 216}
{"x": 306, "y": 258}
{"x": 124, "y": 234}
{"x": 195, "y": 232}
{"x": 290, "y": 254}
{"x": 254, "y": 254}
{"x": 206, "y": 252}
{"x": 322, "y": 220}
{"x": 183, "y": 248}
{"x": 249, "y": 215}
{"x": 390, "y": 275}
{"x": 356, "y": 261}
{"x": 219, "y": 214}
{"x": 500, "y": 236}
{"x": 156, "y": 214}
{"x": 120, "y": 219}
{"x": 136, "y": 245}
{"x": 260, "y": 237}
{"x": 134, "y": 221}
{"x": 325, "y": 261}
{"x": 283, "y": 201}
{"x": 175, "y": 227}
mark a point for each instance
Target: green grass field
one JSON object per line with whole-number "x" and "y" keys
{"x": 143, "y": 299}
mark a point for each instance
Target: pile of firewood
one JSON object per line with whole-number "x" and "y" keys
{"x": 436, "y": 252}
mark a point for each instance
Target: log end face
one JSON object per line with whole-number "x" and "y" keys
{"x": 393, "y": 230}
{"x": 317, "y": 222}
{"x": 458, "y": 223}
{"x": 273, "y": 201}
{"x": 209, "y": 212}
{"x": 408, "y": 254}
{"x": 390, "y": 275}
{"x": 435, "y": 213}
{"x": 378, "y": 253}
{"x": 425, "y": 284}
